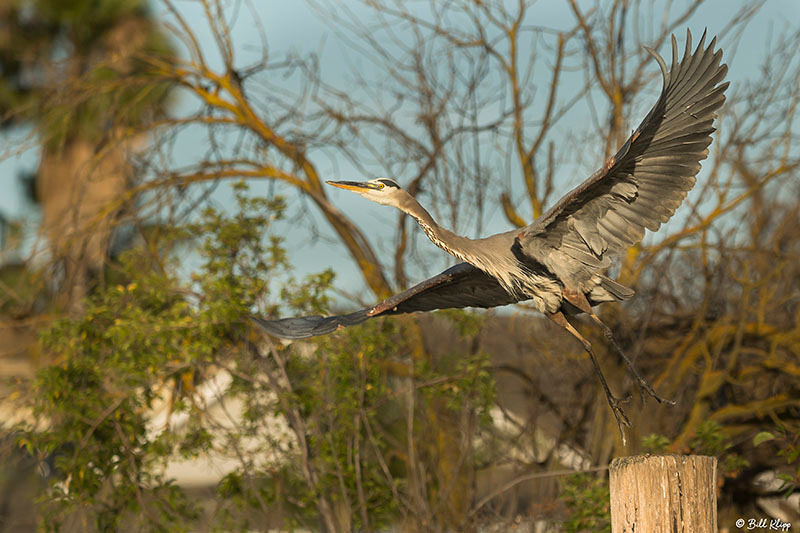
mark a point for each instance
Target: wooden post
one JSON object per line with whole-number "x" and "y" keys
{"x": 663, "y": 493}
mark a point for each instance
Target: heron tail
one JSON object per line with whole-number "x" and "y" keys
{"x": 609, "y": 290}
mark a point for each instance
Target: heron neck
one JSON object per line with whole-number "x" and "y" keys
{"x": 448, "y": 241}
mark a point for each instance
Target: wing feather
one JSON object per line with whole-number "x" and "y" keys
{"x": 459, "y": 286}
{"x": 648, "y": 179}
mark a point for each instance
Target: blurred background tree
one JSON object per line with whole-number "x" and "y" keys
{"x": 146, "y": 363}
{"x": 70, "y": 86}
{"x": 71, "y": 72}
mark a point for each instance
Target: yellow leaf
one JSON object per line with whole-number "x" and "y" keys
{"x": 188, "y": 380}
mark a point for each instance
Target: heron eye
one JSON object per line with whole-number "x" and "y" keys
{"x": 381, "y": 186}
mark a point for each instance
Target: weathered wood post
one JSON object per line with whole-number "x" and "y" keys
{"x": 663, "y": 493}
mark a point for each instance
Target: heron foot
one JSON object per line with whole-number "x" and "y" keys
{"x": 644, "y": 386}
{"x": 616, "y": 408}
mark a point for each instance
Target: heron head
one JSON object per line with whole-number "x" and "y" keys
{"x": 382, "y": 190}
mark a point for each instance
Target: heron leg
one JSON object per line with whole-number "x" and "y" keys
{"x": 578, "y": 299}
{"x": 615, "y": 403}
{"x": 643, "y": 383}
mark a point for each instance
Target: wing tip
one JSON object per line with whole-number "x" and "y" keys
{"x": 661, "y": 63}
{"x": 688, "y": 55}
{"x": 288, "y": 328}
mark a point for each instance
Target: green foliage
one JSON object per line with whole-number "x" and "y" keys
{"x": 28, "y": 288}
{"x": 145, "y": 341}
{"x": 315, "y": 422}
{"x": 655, "y": 443}
{"x": 787, "y": 439}
{"x": 468, "y": 324}
{"x": 462, "y": 381}
{"x": 588, "y": 501}
{"x": 88, "y": 20}
{"x": 463, "y": 384}
{"x": 335, "y": 394}
{"x": 762, "y": 437}
{"x": 712, "y": 439}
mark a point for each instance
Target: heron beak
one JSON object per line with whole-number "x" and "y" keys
{"x": 357, "y": 186}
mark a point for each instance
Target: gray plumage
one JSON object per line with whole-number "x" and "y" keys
{"x": 647, "y": 180}
{"x": 559, "y": 261}
{"x": 573, "y": 243}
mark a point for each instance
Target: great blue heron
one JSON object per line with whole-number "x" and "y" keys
{"x": 558, "y": 262}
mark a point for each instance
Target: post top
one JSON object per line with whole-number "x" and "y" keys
{"x": 622, "y": 462}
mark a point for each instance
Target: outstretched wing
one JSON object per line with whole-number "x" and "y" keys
{"x": 644, "y": 183}
{"x": 462, "y": 285}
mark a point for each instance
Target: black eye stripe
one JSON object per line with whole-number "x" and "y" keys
{"x": 389, "y": 183}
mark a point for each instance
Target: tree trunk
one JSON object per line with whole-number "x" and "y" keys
{"x": 74, "y": 185}
{"x": 664, "y": 493}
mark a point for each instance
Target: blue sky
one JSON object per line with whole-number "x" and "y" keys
{"x": 294, "y": 26}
